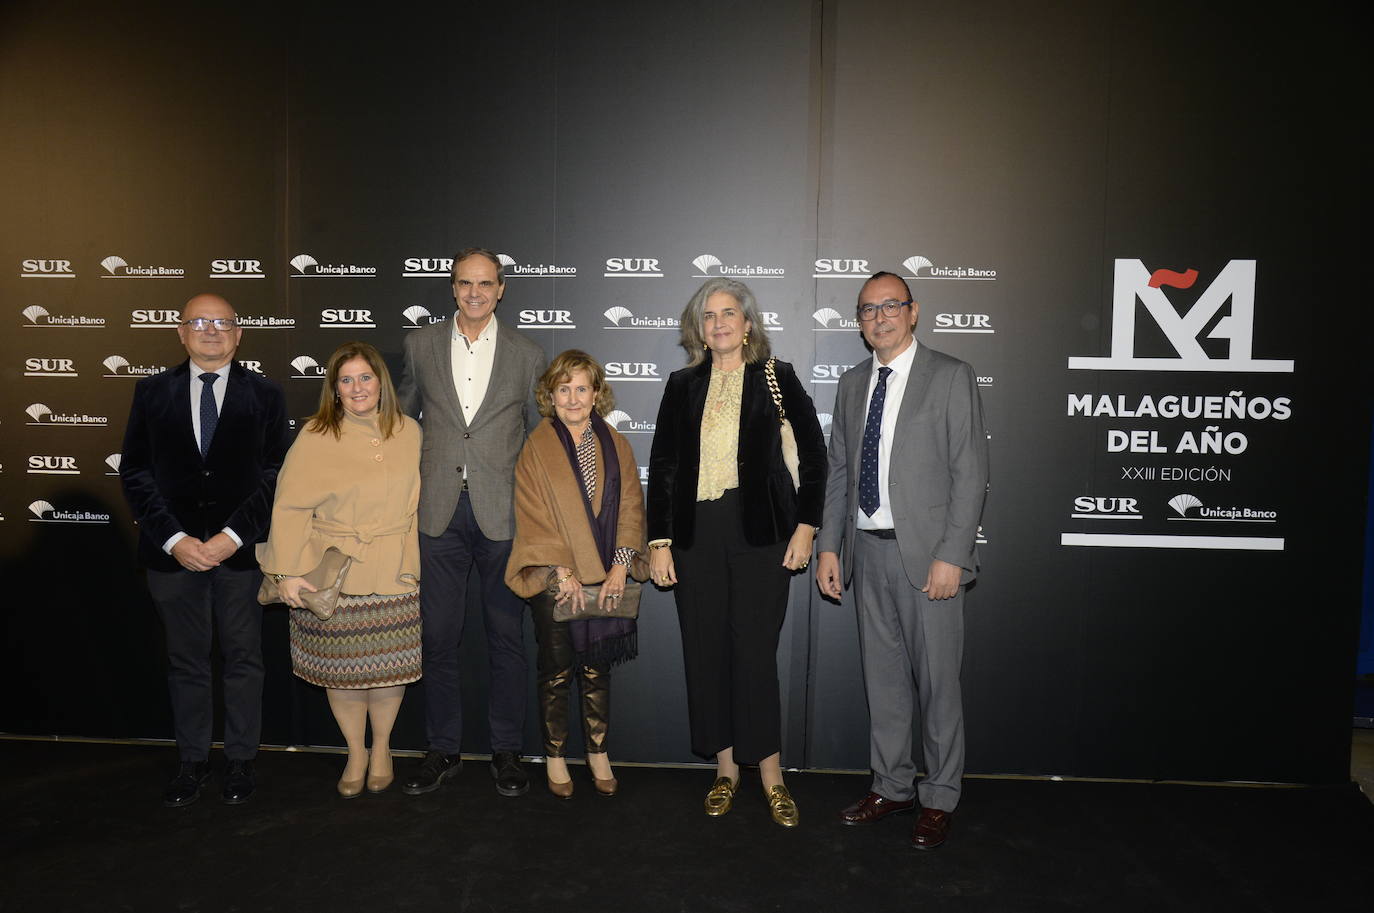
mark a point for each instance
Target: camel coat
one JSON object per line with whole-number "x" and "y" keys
{"x": 551, "y": 528}
{"x": 358, "y": 493}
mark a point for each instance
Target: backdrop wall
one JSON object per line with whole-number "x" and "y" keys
{"x": 1130, "y": 223}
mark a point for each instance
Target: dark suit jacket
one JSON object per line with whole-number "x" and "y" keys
{"x": 171, "y": 489}
{"x": 770, "y": 507}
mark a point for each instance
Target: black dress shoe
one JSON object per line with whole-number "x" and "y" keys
{"x": 510, "y": 777}
{"x": 432, "y": 772}
{"x": 186, "y": 785}
{"x": 238, "y": 783}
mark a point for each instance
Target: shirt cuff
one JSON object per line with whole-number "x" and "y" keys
{"x": 233, "y": 535}
{"x": 175, "y": 538}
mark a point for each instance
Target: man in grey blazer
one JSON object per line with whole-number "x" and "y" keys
{"x": 908, "y": 475}
{"x": 470, "y": 383}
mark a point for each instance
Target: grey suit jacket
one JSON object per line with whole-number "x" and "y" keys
{"x": 489, "y": 446}
{"x": 938, "y": 469}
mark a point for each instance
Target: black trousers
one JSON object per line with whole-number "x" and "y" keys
{"x": 195, "y": 607}
{"x": 555, "y": 671}
{"x": 446, "y": 561}
{"x": 731, "y": 603}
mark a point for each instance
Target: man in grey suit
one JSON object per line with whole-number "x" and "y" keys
{"x": 470, "y": 382}
{"x": 908, "y": 475}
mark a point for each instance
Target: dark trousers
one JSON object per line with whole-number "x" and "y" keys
{"x": 555, "y": 671}
{"x": 445, "y": 563}
{"x": 731, "y": 602}
{"x": 195, "y": 607}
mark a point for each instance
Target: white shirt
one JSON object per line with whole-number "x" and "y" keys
{"x": 196, "y": 384}
{"x": 472, "y": 361}
{"x": 892, "y": 405}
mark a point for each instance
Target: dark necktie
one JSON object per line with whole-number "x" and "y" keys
{"x": 868, "y": 456}
{"x": 209, "y": 415}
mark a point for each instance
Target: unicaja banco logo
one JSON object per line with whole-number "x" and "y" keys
{"x": 515, "y": 270}
{"x": 113, "y": 461}
{"x": 709, "y": 266}
{"x": 1235, "y": 283}
{"x": 306, "y": 368}
{"x": 40, "y": 415}
{"x": 831, "y": 319}
{"x": 45, "y": 512}
{"x": 307, "y": 267}
{"x": 826, "y": 420}
{"x": 622, "y": 318}
{"x": 118, "y": 366}
{"x": 417, "y": 315}
{"x": 38, "y": 316}
{"x": 118, "y": 268}
{"x": 1184, "y": 503}
{"x": 919, "y": 267}
{"x": 622, "y": 422}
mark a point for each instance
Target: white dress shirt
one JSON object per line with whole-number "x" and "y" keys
{"x": 892, "y": 405}
{"x": 472, "y": 361}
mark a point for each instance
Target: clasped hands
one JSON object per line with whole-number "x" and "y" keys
{"x": 569, "y": 588}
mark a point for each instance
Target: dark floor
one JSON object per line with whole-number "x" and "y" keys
{"x": 84, "y": 831}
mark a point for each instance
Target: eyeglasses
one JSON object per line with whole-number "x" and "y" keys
{"x": 201, "y": 324}
{"x": 890, "y": 308}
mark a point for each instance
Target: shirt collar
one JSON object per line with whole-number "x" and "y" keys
{"x": 488, "y": 332}
{"x": 902, "y": 363}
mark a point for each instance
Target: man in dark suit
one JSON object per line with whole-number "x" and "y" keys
{"x": 908, "y": 476}
{"x": 199, "y": 467}
{"x": 470, "y": 381}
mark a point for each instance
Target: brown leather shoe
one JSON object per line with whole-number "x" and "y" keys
{"x": 931, "y": 829}
{"x": 873, "y": 807}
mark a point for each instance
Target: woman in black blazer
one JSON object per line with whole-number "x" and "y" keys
{"x": 728, "y": 528}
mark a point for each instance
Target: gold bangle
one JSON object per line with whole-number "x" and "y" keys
{"x": 653, "y": 547}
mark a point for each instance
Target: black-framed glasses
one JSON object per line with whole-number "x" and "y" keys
{"x": 890, "y": 308}
{"x": 201, "y": 324}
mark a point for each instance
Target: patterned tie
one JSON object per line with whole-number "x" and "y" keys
{"x": 209, "y": 415}
{"x": 868, "y": 457}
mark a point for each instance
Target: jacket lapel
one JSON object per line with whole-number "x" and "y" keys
{"x": 913, "y": 398}
{"x": 443, "y": 362}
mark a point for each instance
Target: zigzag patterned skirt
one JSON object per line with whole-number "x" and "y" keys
{"x": 370, "y": 642}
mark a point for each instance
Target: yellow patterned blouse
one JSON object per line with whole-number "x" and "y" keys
{"x": 719, "y": 470}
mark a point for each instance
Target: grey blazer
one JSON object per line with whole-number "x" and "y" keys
{"x": 938, "y": 474}
{"x": 489, "y": 446}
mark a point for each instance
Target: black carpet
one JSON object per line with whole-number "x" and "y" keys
{"x": 84, "y": 830}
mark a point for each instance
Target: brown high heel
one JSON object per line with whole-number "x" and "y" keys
{"x": 562, "y": 790}
{"x": 605, "y": 788}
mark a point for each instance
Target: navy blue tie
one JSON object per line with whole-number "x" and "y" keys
{"x": 868, "y": 456}
{"x": 209, "y": 415}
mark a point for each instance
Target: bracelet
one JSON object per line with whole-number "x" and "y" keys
{"x": 655, "y": 546}
{"x": 279, "y": 578}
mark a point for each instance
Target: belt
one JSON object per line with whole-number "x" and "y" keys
{"x": 881, "y": 533}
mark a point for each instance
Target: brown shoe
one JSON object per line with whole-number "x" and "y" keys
{"x": 872, "y": 807}
{"x": 562, "y": 790}
{"x": 931, "y": 829}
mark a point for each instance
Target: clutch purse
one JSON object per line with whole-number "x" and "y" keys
{"x": 327, "y": 578}
{"x": 627, "y": 606}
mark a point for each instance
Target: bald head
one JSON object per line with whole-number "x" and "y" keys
{"x": 210, "y": 348}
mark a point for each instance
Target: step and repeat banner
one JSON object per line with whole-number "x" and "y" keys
{"x": 1127, "y": 229}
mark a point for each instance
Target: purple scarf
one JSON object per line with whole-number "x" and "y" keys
{"x": 600, "y": 640}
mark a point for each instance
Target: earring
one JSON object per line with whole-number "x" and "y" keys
{"x": 705, "y": 347}
{"x": 746, "y": 339}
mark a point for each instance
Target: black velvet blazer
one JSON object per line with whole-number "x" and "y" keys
{"x": 171, "y": 489}
{"x": 770, "y": 508}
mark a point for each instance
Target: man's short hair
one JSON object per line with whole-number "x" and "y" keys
{"x": 883, "y": 274}
{"x": 478, "y": 252}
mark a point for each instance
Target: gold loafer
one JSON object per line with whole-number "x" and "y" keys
{"x": 781, "y": 806}
{"x": 721, "y": 796}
